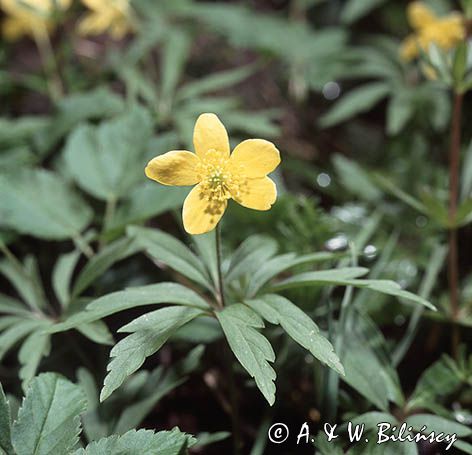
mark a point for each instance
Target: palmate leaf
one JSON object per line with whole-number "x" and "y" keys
{"x": 141, "y": 442}
{"x": 251, "y": 348}
{"x": 40, "y": 203}
{"x": 279, "y": 310}
{"x": 148, "y": 333}
{"x": 48, "y": 422}
{"x": 6, "y": 447}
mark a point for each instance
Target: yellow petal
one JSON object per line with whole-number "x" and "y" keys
{"x": 199, "y": 214}
{"x": 409, "y": 48}
{"x": 93, "y": 24}
{"x": 96, "y": 5}
{"x": 210, "y": 134}
{"x": 256, "y": 157}
{"x": 258, "y": 194}
{"x": 419, "y": 15}
{"x": 13, "y": 28}
{"x": 178, "y": 167}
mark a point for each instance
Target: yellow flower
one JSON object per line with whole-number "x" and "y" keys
{"x": 30, "y": 17}
{"x": 446, "y": 32}
{"x": 106, "y": 15}
{"x": 218, "y": 176}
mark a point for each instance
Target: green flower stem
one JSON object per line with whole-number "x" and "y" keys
{"x": 453, "y": 262}
{"x": 221, "y": 289}
{"x": 228, "y": 355}
{"x": 48, "y": 60}
{"x": 107, "y": 219}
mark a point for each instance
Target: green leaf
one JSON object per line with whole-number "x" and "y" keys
{"x": 250, "y": 347}
{"x": 48, "y": 421}
{"x": 133, "y": 298}
{"x": 145, "y": 201}
{"x": 140, "y": 442}
{"x": 14, "y": 334}
{"x": 20, "y": 130}
{"x": 356, "y": 9}
{"x": 97, "y": 331}
{"x": 341, "y": 277}
{"x": 154, "y": 389}
{"x": 148, "y": 334}
{"x": 355, "y": 102}
{"x": 214, "y": 82}
{"x": 175, "y": 52}
{"x": 439, "y": 380}
{"x": 438, "y": 424}
{"x": 77, "y": 108}
{"x": 104, "y": 161}
{"x": 250, "y": 255}
{"x": 367, "y": 364}
{"x": 165, "y": 248}
{"x": 6, "y": 447}
{"x": 355, "y": 179}
{"x": 62, "y": 276}
{"x": 466, "y": 177}
{"x": 278, "y": 264}
{"x": 279, "y": 310}
{"x": 101, "y": 262}
{"x": 400, "y": 109}
{"x": 32, "y": 350}
{"x": 40, "y": 203}
{"x": 26, "y": 280}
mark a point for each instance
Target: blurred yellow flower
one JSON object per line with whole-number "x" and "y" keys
{"x": 218, "y": 176}
{"x": 30, "y": 17}
{"x": 112, "y": 16}
{"x": 446, "y": 32}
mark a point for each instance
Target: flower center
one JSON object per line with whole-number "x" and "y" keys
{"x": 220, "y": 180}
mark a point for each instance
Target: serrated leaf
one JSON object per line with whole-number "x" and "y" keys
{"x": 40, "y": 203}
{"x": 6, "y": 447}
{"x": 278, "y": 264}
{"x": 148, "y": 333}
{"x": 133, "y": 298}
{"x": 279, "y": 310}
{"x": 167, "y": 249}
{"x": 16, "y": 333}
{"x": 250, "y": 255}
{"x": 342, "y": 278}
{"x": 62, "y": 276}
{"x": 48, "y": 421}
{"x": 141, "y": 442}
{"x": 100, "y": 262}
{"x": 104, "y": 161}
{"x": 250, "y": 347}
{"x": 32, "y": 350}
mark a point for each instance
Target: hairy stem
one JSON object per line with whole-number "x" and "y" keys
{"x": 453, "y": 264}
